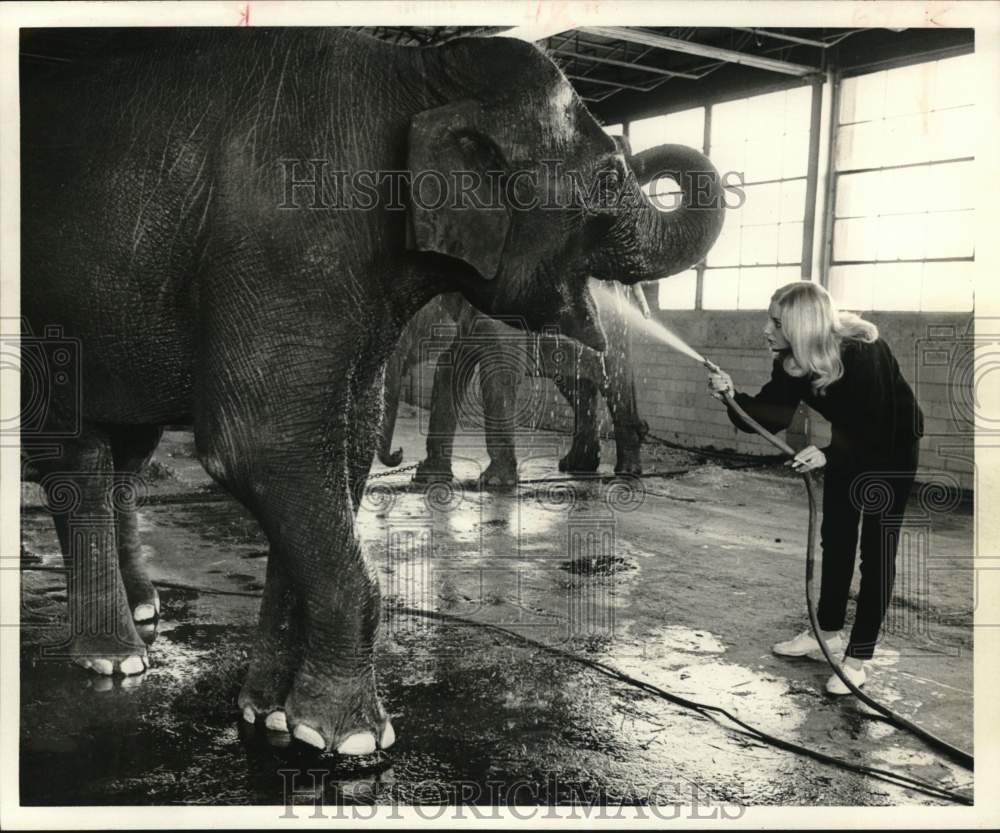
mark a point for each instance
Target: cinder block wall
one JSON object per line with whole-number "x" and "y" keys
{"x": 673, "y": 399}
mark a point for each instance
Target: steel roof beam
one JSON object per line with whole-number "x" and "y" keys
{"x": 620, "y": 85}
{"x": 669, "y": 73}
{"x": 690, "y": 48}
{"x": 769, "y": 33}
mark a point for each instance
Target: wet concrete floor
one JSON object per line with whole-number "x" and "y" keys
{"x": 683, "y": 581}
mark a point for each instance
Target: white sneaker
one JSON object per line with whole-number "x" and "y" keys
{"x": 805, "y": 645}
{"x": 857, "y": 676}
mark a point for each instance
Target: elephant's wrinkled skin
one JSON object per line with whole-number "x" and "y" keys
{"x": 503, "y": 355}
{"x": 158, "y": 229}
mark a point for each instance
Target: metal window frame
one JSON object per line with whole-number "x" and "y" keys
{"x": 833, "y": 174}
{"x": 810, "y": 177}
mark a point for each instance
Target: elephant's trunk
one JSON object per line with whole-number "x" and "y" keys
{"x": 390, "y": 407}
{"x": 649, "y": 243}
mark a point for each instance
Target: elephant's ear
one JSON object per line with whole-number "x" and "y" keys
{"x": 454, "y": 163}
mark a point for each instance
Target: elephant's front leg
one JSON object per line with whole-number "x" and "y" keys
{"x": 619, "y": 394}
{"x": 277, "y": 653}
{"x": 333, "y": 703}
{"x": 581, "y": 389}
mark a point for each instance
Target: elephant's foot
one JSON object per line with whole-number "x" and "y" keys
{"x": 433, "y": 470}
{"x": 341, "y": 715}
{"x": 629, "y": 465}
{"x": 578, "y": 461}
{"x": 143, "y": 600}
{"x": 266, "y": 687}
{"x": 499, "y": 474}
{"x": 107, "y": 655}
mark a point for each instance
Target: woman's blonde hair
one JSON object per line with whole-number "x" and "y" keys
{"x": 815, "y": 329}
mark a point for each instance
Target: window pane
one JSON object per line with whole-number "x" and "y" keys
{"x": 720, "y": 289}
{"x": 795, "y": 154}
{"x": 747, "y": 288}
{"x": 765, "y": 116}
{"x": 908, "y": 89}
{"x": 855, "y": 239}
{"x": 773, "y": 126}
{"x": 862, "y": 98}
{"x": 726, "y": 251}
{"x": 759, "y": 245}
{"x": 851, "y": 287}
{"x": 756, "y": 287}
{"x": 954, "y": 83}
{"x": 858, "y": 194}
{"x": 951, "y": 187}
{"x": 729, "y": 156}
{"x": 947, "y": 287}
{"x": 900, "y": 237}
{"x": 945, "y": 187}
{"x": 763, "y": 204}
{"x": 861, "y": 145}
{"x": 790, "y": 243}
{"x": 950, "y": 234}
{"x": 686, "y": 127}
{"x": 614, "y": 129}
{"x": 793, "y": 200}
{"x": 678, "y": 291}
{"x": 926, "y": 137}
{"x": 907, "y": 210}
{"x": 798, "y": 103}
{"x": 897, "y": 286}
{"x": 904, "y": 191}
{"x": 729, "y": 121}
{"x": 764, "y": 159}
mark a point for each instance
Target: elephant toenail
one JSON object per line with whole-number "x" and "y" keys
{"x": 388, "y": 736}
{"x": 133, "y": 665}
{"x": 249, "y": 715}
{"x": 306, "y": 734}
{"x": 277, "y": 722}
{"x": 360, "y": 743}
{"x": 144, "y": 612}
{"x": 103, "y": 666}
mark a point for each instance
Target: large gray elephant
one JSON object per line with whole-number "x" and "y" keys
{"x": 233, "y": 226}
{"x": 503, "y": 355}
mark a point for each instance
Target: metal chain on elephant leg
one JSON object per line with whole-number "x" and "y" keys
{"x": 399, "y": 470}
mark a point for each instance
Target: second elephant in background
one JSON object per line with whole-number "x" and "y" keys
{"x": 503, "y": 356}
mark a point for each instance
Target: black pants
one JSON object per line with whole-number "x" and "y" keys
{"x": 877, "y": 498}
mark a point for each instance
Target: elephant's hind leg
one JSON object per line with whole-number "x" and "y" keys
{"x": 452, "y": 374}
{"x": 500, "y": 371}
{"x": 78, "y": 488}
{"x": 132, "y": 446}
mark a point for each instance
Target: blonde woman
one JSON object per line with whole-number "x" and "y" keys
{"x": 836, "y": 362}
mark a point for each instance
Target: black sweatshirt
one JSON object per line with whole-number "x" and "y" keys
{"x": 871, "y": 408}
